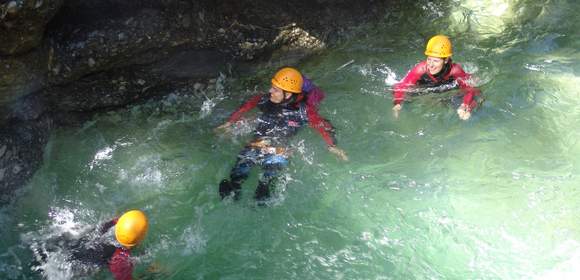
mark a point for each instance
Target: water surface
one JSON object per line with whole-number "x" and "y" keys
{"x": 427, "y": 196}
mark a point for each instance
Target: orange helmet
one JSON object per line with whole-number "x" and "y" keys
{"x": 439, "y": 46}
{"x": 288, "y": 79}
{"x": 131, "y": 228}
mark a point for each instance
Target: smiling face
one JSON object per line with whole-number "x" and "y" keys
{"x": 277, "y": 95}
{"x": 435, "y": 64}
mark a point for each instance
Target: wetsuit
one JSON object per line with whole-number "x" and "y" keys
{"x": 87, "y": 252}
{"x": 312, "y": 94}
{"x": 276, "y": 124}
{"x": 118, "y": 259}
{"x": 450, "y": 77}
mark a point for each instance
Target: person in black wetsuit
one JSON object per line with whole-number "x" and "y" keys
{"x": 283, "y": 112}
{"x": 130, "y": 229}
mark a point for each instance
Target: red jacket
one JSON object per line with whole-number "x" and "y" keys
{"x": 120, "y": 264}
{"x": 419, "y": 72}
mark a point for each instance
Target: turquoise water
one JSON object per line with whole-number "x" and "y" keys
{"x": 427, "y": 196}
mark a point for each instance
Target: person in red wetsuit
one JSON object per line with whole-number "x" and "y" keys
{"x": 436, "y": 74}
{"x": 292, "y": 102}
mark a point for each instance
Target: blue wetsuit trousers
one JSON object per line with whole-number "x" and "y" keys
{"x": 271, "y": 164}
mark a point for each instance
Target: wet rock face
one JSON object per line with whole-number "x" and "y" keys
{"x": 21, "y": 75}
{"x": 22, "y": 27}
{"x": 22, "y": 23}
{"x": 110, "y": 44}
{"x": 21, "y": 147}
{"x": 89, "y": 37}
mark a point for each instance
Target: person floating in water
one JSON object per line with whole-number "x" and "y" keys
{"x": 130, "y": 229}
{"x": 292, "y": 102}
{"x": 437, "y": 73}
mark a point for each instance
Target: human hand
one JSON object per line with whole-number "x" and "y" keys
{"x": 338, "y": 152}
{"x": 155, "y": 268}
{"x": 226, "y": 127}
{"x": 396, "y": 110}
{"x": 154, "y": 271}
{"x": 463, "y": 112}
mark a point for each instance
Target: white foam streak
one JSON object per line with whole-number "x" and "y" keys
{"x": 210, "y": 103}
{"x": 193, "y": 237}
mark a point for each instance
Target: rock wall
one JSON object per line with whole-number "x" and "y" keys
{"x": 61, "y": 57}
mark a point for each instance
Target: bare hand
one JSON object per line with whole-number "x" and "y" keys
{"x": 463, "y": 112}
{"x": 338, "y": 152}
{"x": 154, "y": 268}
{"x": 226, "y": 127}
{"x": 396, "y": 110}
{"x": 154, "y": 271}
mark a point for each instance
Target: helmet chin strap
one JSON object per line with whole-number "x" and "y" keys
{"x": 289, "y": 100}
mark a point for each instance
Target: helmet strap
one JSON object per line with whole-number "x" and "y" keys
{"x": 289, "y": 99}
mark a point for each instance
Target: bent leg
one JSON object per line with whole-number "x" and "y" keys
{"x": 272, "y": 165}
{"x": 239, "y": 173}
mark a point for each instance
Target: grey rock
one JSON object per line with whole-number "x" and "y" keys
{"x": 16, "y": 169}
{"x": 23, "y": 26}
{"x": 2, "y": 151}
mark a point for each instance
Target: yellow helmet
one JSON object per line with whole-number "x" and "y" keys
{"x": 439, "y": 46}
{"x": 131, "y": 228}
{"x": 288, "y": 79}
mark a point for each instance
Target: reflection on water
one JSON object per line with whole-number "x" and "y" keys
{"x": 423, "y": 197}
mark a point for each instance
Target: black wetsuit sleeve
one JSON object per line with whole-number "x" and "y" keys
{"x": 108, "y": 225}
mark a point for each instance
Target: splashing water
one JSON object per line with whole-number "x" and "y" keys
{"x": 210, "y": 103}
